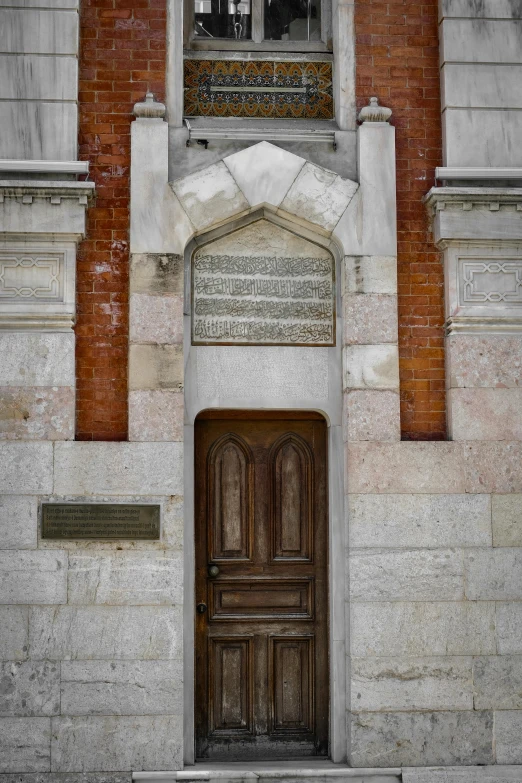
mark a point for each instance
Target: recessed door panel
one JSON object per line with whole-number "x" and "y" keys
{"x": 261, "y": 586}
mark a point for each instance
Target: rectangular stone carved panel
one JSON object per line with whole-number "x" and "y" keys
{"x": 37, "y": 277}
{"x": 263, "y": 285}
{"x": 490, "y": 282}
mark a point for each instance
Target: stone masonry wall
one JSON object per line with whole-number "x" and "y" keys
{"x": 397, "y": 59}
{"x": 122, "y": 56}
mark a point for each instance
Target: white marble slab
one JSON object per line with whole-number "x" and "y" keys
{"x": 319, "y": 196}
{"x": 36, "y": 31}
{"x": 264, "y": 172}
{"x": 482, "y": 137}
{"x": 38, "y": 77}
{"x": 38, "y": 130}
{"x": 481, "y": 40}
{"x": 210, "y": 196}
{"x": 483, "y": 9}
{"x": 482, "y": 85}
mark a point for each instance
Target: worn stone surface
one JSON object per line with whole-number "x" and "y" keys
{"x": 370, "y": 319}
{"x": 29, "y": 689}
{"x": 33, "y": 577}
{"x": 509, "y": 628}
{"x": 121, "y": 687}
{"x": 68, "y": 777}
{"x": 18, "y": 524}
{"x": 507, "y": 520}
{"x": 508, "y": 736}
{"x": 156, "y": 273}
{"x": 371, "y": 367}
{"x": 406, "y": 684}
{"x": 422, "y": 628}
{"x": 125, "y": 578}
{"x": 497, "y": 682}
{"x": 319, "y": 196}
{"x": 26, "y": 467}
{"x": 37, "y": 413}
{"x": 156, "y": 319}
{"x": 370, "y": 275}
{"x": 264, "y": 172}
{"x": 210, "y": 196}
{"x": 118, "y": 468}
{"x": 105, "y": 632}
{"x": 399, "y": 575}
{"x": 156, "y": 367}
{"x": 485, "y": 414}
{"x": 411, "y": 521}
{"x": 30, "y": 359}
{"x": 421, "y": 738}
{"x": 494, "y": 574}
{"x": 405, "y": 468}
{"x": 14, "y": 638}
{"x": 493, "y": 467}
{"x": 372, "y": 415}
{"x": 155, "y": 415}
{"x": 25, "y": 743}
{"x": 495, "y": 774}
{"x": 110, "y": 743}
{"x": 484, "y": 360}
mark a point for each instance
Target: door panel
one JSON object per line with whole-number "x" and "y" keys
{"x": 262, "y": 619}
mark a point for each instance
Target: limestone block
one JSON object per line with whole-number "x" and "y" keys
{"x": 421, "y": 738}
{"x": 372, "y": 415}
{"x": 40, "y": 32}
{"x": 411, "y": 521}
{"x": 156, "y": 319}
{"x": 25, "y": 744}
{"x": 117, "y": 743}
{"x": 44, "y": 359}
{"x": 29, "y": 689}
{"x": 121, "y": 687}
{"x": 484, "y": 360}
{"x": 32, "y": 77}
{"x": 14, "y": 639}
{"x": 508, "y": 736}
{"x": 493, "y": 9}
{"x": 405, "y": 468}
{"x": 18, "y": 522}
{"x": 497, "y": 682}
{"x": 319, "y": 196}
{"x": 370, "y": 319}
{"x": 37, "y": 413}
{"x": 371, "y": 367}
{"x": 156, "y": 415}
{"x": 370, "y": 275}
{"x": 494, "y": 574}
{"x": 105, "y": 633}
{"x": 125, "y": 578}
{"x": 210, "y": 196}
{"x": 264, "y": 172}
{"x": 156, "y": 367}
{"x": 509, "y": 628}
{"x": 68, "y": 777}
{"x": 507, "y": 520}
{"x": 21, "y": 136}
{"x": 38, "y": 3}
{"x": 482, "y": 85}
{"x": 401, "y": 575}
{"x": 422, "y": 628}
{"x": 495, "y": 774}
{"x": 118, "y": 468}
{"x": 493, "y": 467}
{"x": 468, "y": 135}
{"x": 405, "y": 684}
{"x": 33, "y": 577}
{"x": 481, "y": 40}
{"x": 156, "y": 273}
{"x": 485, "y": 414}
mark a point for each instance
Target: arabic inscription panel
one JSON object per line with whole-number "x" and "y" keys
{"x": 263, "y": 285}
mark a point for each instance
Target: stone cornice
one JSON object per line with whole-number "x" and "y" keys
{"x": 53, "y": 190}
{"x": 470, "y": 198}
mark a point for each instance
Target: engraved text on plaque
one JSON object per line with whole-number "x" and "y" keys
{"x": 100, "y": 520}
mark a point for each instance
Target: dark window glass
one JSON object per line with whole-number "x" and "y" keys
{"x": 222, "y": 19}
{"x": 293, "y": 20}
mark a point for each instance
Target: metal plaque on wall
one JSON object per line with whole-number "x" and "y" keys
{"x": 263, "y": 300}
{"x": 100, "y": 520}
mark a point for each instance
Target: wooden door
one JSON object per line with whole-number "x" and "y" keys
{"x": 261, "y": 586}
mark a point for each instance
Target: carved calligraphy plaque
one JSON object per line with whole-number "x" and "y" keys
{"x": 100, "y": 520}
{"x": 270, "y": 298}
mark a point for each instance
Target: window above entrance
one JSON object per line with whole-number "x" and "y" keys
{"x": 259, "y": 25}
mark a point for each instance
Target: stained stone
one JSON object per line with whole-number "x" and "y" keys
{"x": 14, "y": 636}
{"x": 25, "y": 743}
{"x": 508, "y": 736}
{"x": 29, "y": 689}
{"x": 494, "y": 574}
{"x": 18, "y": 524}
{"x": 507, "y": 520}
{"x": 497, "y": 682}
{"x": 28, "y": 577}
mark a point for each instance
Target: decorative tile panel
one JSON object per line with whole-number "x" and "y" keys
{"x": 258, "y": 89}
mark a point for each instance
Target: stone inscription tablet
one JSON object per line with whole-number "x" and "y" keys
{"x": 100, "y": 520}
{"x": 263, "y": 300}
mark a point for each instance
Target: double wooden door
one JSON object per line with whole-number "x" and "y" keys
{"x": 261, "y": 586}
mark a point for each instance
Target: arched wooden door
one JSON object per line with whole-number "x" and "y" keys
{"x": 262, "y": 685}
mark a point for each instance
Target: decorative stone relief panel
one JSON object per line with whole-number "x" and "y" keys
{"x": 485, "y": 282}
{"x": 38, "y": 277}
{"x": 263, "y": 285}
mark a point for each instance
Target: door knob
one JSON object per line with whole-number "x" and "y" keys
{"x": 201, "y": 608}
{"x": 213, "y": 570}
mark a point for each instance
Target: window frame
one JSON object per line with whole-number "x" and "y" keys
{"x": 256, "y": 43}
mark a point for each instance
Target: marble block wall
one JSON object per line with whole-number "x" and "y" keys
{"x": 481, "y": 77}
{"x": 39, "y": 85}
